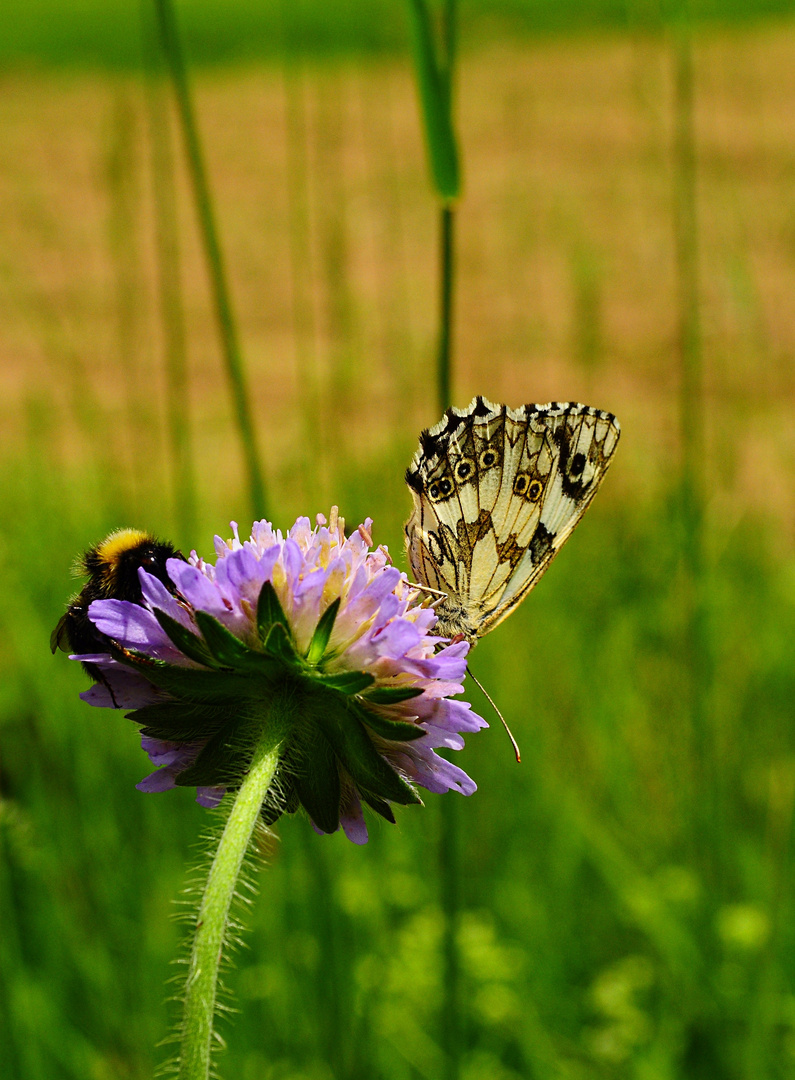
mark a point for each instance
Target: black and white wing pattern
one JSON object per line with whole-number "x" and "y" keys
{"x": 497, "y": 492}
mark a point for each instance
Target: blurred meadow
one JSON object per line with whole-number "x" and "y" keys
{"x": 627, "y": 891}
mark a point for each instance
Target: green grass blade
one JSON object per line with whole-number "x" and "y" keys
{"x": 433, "y": 83}
{"x": 434, "y": 80}
{"x": 444, "y": 362}
{"x": 171, "y": 302}
{"x": 172, "y": 48}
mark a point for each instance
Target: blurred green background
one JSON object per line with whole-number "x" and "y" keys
{"x": 627, "y": 893}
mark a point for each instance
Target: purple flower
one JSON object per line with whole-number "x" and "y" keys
{"x": 321, "y": 623}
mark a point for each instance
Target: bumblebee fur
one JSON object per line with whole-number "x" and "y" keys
{"x": 112, "y": 568}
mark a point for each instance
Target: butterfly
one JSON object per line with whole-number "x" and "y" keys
{"x": 497, "y": 492}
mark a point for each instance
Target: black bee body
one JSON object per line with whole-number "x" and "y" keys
{"x": 112, "y": 567}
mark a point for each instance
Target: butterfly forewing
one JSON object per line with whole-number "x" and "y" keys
{"x": 496, "y": 494}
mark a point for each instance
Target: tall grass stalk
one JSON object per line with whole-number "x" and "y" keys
{"x": 169, "y": 35}
{"x": 302, "y": 263}
{"x": 171, "y": 303}
{"x": 123, "y": 176}
{"x": 449, "y": 838}
{"x": 446, "y": 285}
{"x": 434, "y": 58}
{"x": 447, "y": 211}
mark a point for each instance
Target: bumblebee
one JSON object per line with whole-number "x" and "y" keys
{"x": 112, "y": 567}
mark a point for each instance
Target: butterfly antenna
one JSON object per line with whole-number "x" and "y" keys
{"x": 426, "y": 588}
{"x": 490, "y": 700}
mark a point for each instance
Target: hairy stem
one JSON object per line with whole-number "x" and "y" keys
{"x": 213, "y": 916}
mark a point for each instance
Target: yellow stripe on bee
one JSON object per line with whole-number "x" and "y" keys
{"x": 115, "y": 545}
{"x": 109, "y": 554}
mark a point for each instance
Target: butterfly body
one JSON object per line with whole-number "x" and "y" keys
{"x": 497, "y": 492}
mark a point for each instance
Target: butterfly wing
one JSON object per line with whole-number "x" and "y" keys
{"x": 496, "y": 494}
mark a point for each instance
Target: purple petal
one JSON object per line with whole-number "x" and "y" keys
{"x": 292, "y": 563}
{"x": 162, "y": 752}
{"x": 210, "y": 797}
{"x": 437, "y": 737}
{"x": 130, "y": 624}
{"x": 242, "y": 574}
{"x": 381, "y": 585}
{"x": 358, "y": 583}
{"x": 438, "y": 666}
{"x": 130, "y": 690}
{"x": 361, "y": 609}
{"x": 451, "y": 661}
{"x": 263, "y": 535}
{"x": 434, "y": 773}
{"x": 301, "y": 532}
{"x": 159, "y": 780}
{"x": 195, "y": 587}
{"x": 158, "y": 596}
{"x": 456, "y": 716}
{"x": 354, "y": 827}
{"x": 388, "y": 609}
{"x": 307, "y": 604}
{"x": 397, "y": 638}
{"x": 240, "y": 568}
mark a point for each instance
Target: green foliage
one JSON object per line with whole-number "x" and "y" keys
{"x": 108, "y": 34}
{"x": 433, "y": 77}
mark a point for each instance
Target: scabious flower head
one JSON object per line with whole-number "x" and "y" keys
{"x": 319, "y": 623}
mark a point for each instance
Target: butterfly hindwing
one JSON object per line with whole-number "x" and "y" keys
{"x": 496, "y": 494}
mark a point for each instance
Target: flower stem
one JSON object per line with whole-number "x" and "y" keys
{"x": 213, "y": 915}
